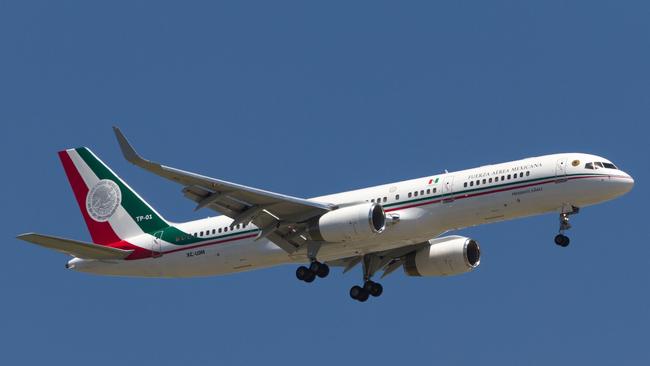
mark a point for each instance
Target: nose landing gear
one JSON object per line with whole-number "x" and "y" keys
{"x": 561, "y": 239}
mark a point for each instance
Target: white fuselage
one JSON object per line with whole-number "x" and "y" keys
{"x": 421, "y": 209}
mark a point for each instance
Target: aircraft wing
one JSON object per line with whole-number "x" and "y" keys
{"x": 281, "y": 218}
{"x": 75, "y": 248}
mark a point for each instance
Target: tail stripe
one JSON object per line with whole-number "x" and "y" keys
{"x": 100, "y": 232}
{"x": 131, "y": 201}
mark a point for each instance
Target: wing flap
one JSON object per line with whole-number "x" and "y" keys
{"x": 75, "y": 248}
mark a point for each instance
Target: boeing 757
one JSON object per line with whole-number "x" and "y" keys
{"x": 383, "y": 228}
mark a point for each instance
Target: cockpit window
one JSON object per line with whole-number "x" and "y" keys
{"x": 598, "y": 164}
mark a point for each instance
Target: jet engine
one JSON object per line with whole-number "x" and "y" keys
{"x": 445, "y": 256}
{"x": 352, "y": 223}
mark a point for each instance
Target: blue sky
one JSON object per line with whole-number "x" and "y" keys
{"x": 310, "y": 98}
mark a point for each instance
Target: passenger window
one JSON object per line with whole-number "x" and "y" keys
{"x": 422, "y": 192}
{"x": 225, "y": 229}
{"x": 521, "y": 175}
{"x": 385, "y": 199}
{"x": 415, "y": 193}
{"x": 219, "y": 230}
{"x": 195, "y": 235}
{"x": 465, "y": 184}
{"x": 471, "y": 184}
{"x": 508, "y": 176}
{"x": 410, "y": 194}
{"x": 372, "y": 200}
{"x": 434, "y": 190}
{"x": 428, "y": 191}
{"x": 484, "y": 181}
{"x": 478, "y": 182}
{"x": 201, "y": 233}
{"x": 396, "y": 197}
{"x": 490, "y": 180}
{"x": 528, "y": 173}
{"x": 503, "y": 177}
{"x": 214, "y": 231}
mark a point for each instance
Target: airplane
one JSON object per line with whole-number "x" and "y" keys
{"x": 383, "y": 228}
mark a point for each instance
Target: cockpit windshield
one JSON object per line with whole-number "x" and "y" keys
{"x": 600, "y": 164}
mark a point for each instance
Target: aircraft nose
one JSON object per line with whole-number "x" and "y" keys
{"x": 625, "y": 182}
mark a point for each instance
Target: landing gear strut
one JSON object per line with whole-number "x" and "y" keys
{"x": 371, "y": 263}
{"x": 561, "y": 239}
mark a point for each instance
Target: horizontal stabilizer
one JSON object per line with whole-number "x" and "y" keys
{"x": 75, "y": 248}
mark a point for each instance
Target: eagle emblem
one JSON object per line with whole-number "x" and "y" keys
{"x": 102, "y": 200}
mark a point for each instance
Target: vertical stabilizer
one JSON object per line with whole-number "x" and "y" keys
{"x": 112, "y": 210}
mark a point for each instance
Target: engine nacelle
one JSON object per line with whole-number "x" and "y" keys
{"x": 445, "y": 256}
{"x": 352, "y": 223}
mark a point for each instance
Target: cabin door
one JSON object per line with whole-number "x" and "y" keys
{"x": 560, "y": 170}
{"x": 448, "y": 188}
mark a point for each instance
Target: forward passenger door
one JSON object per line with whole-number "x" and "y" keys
{"x": 560, "y": 170}
{"x": 448, "y": 189}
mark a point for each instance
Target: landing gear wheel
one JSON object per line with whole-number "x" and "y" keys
{"x": 359, "y": 293}
{"x": 363, "y": 296}
{"x": 355, "y": 291}
{"x": 323, "y": 271}
{"x": 562, "y": 240}
{"x": 375, "y": 289}
{"x": 302, "y": 272}
{"x": 311, "y": 276}
{"x": 320, "y": 269}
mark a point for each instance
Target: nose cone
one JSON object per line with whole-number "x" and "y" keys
{"x": 623, "y": 183}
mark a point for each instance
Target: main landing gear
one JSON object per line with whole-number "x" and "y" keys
{"x": 315, "y": 269}
{"x": 370, "y": 288}
{"x": 561, "y": 239}
{"x": 371, "y": 263}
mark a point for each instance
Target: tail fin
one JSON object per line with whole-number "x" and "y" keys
{"x": 112, "y": 210}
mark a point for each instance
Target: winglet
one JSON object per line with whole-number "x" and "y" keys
{"x": 130, "y": 154}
